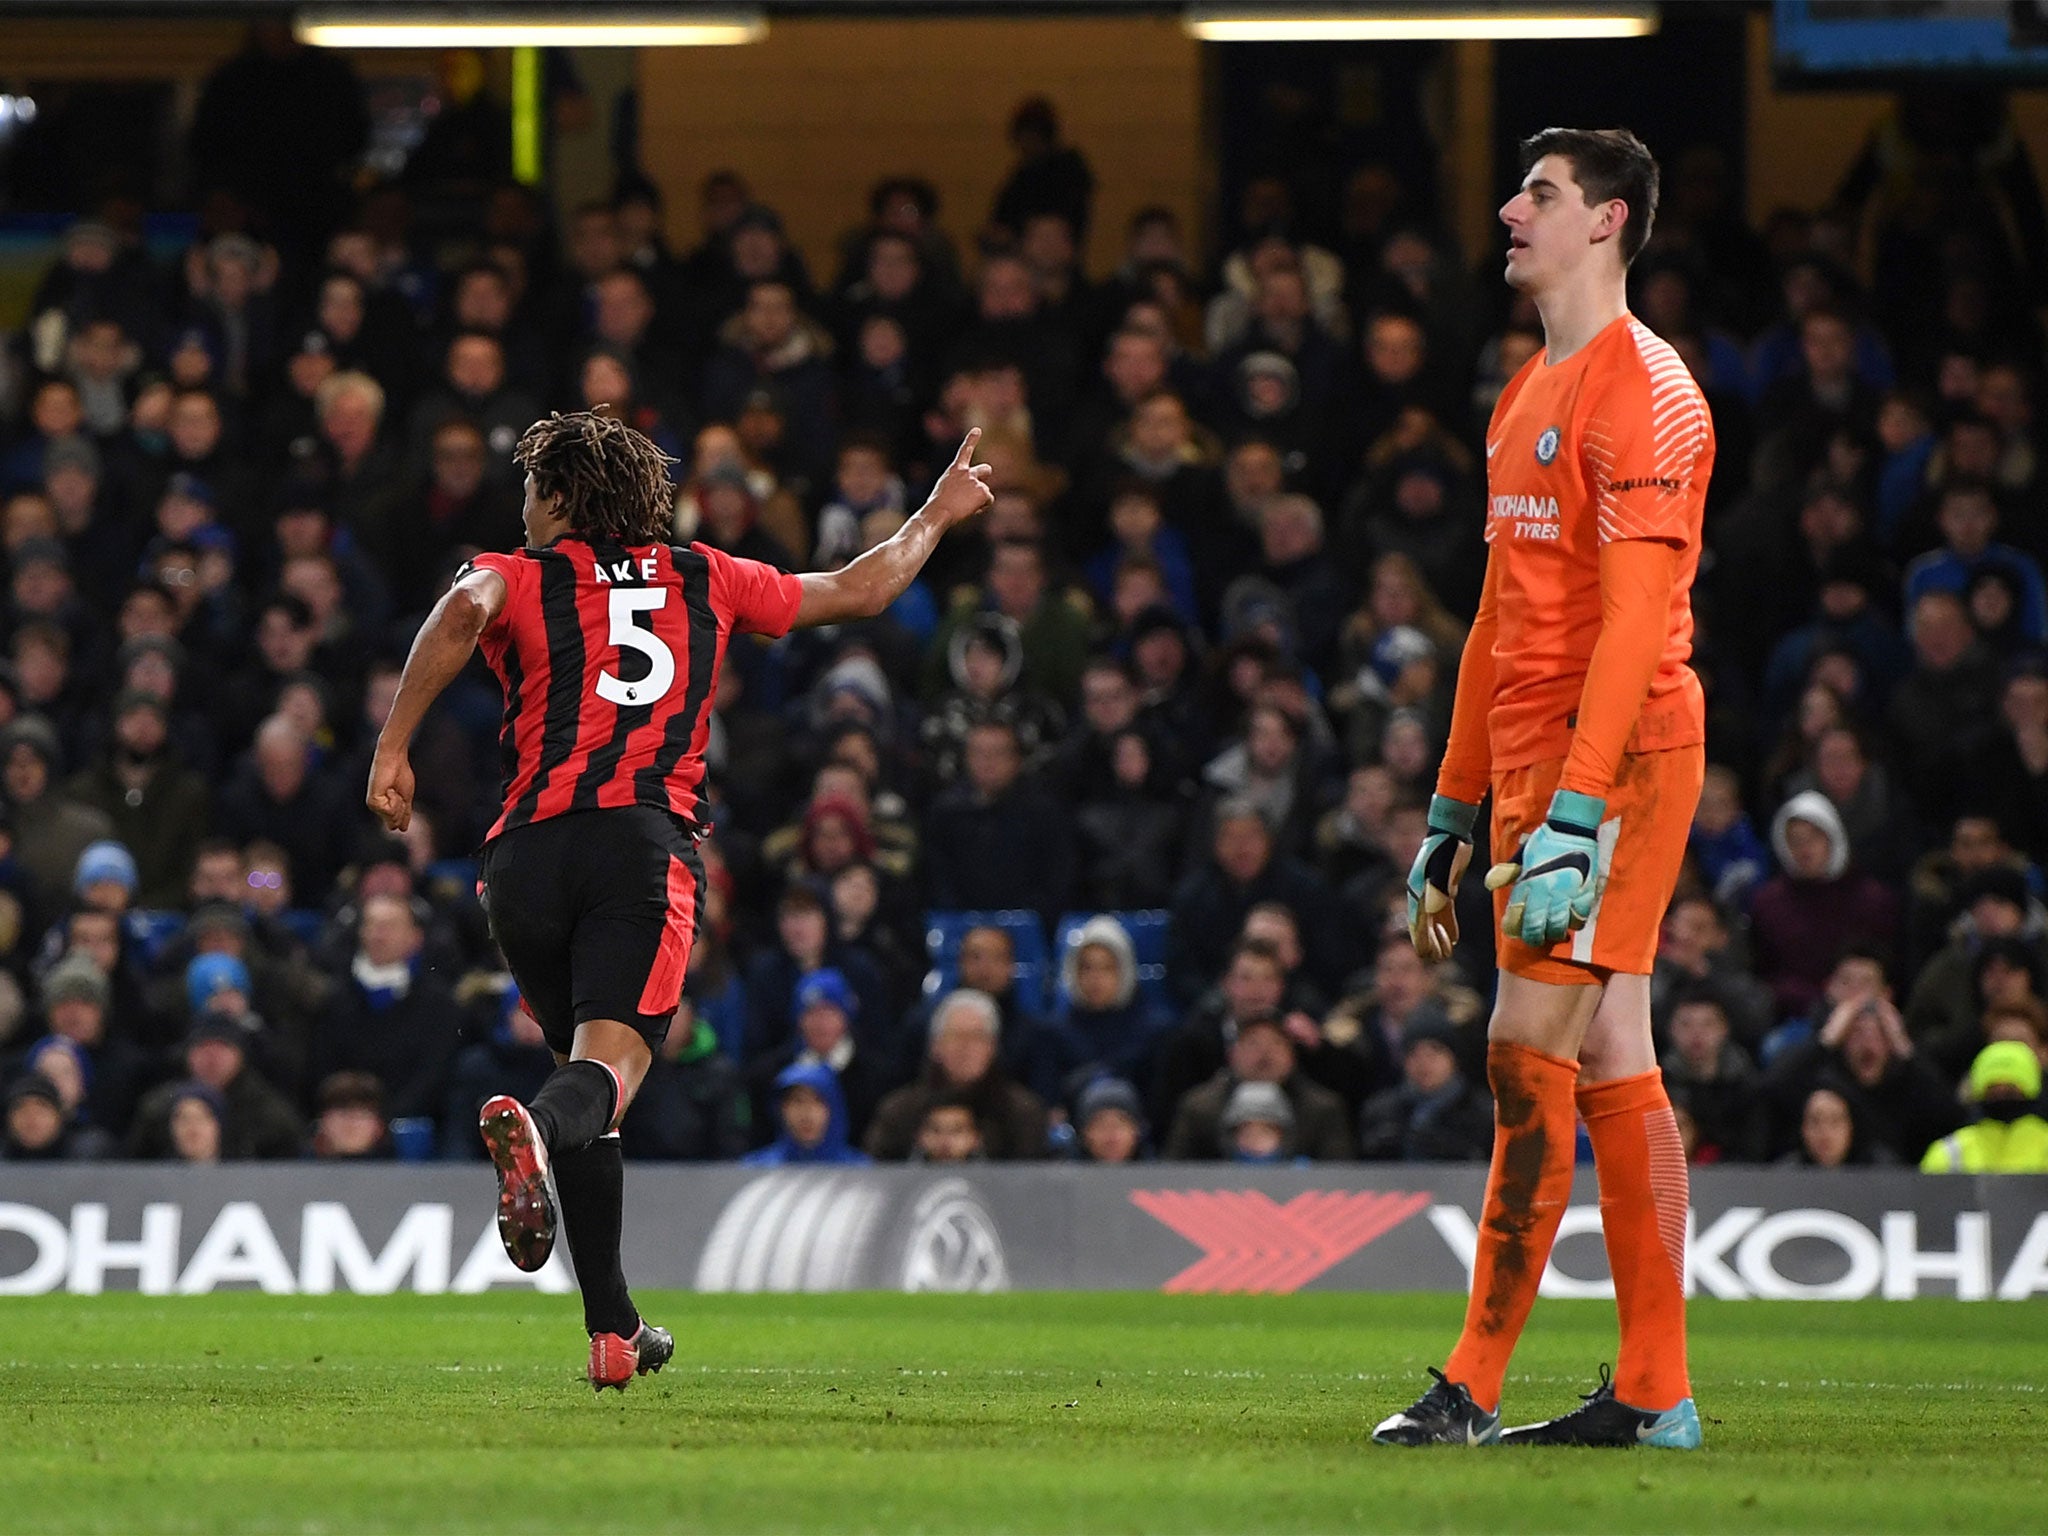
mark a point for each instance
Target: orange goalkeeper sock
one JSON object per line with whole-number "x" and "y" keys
{"x": 1534, "y": 1131}
{"x": 1643, "y": 1192}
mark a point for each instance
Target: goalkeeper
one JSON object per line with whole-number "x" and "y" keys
{"x": 1577, "y": 709}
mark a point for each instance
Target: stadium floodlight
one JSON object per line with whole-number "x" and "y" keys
{"x": 1410, "y": 23}
{"x": 593, "y": 26}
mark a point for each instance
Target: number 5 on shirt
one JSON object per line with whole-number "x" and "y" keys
{"x": 628, "y": 636}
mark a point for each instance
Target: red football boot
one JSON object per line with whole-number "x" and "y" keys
{"x": 616, "y": 1360}
{"x": 526, "y": 1206}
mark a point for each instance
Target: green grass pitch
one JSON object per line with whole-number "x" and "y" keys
{"x": 1008, "y": 1413}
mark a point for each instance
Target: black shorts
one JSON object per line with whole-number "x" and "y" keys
{"x": 594, "y": 912}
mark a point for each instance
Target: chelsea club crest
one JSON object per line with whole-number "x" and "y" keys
{"x": 1546, "y": 446}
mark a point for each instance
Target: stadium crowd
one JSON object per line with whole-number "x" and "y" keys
{"x": 1094, "y": 845}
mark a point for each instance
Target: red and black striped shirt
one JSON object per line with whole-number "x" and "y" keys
{"x": 609, "y": 655}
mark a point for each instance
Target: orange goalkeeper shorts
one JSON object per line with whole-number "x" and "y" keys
{"x": 1642, "y": 845}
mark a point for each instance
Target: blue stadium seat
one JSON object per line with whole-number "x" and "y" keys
{"x": 1148, "y": 942}
{"x": 458, "y": 874}
{"x": 943, "y": 932}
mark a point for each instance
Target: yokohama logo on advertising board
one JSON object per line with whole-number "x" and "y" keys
{"x": 1768, "y": 1233}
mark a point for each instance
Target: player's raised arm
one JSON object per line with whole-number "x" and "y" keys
{"x": 440, "y": 651}
{"x": 869, "y": 583}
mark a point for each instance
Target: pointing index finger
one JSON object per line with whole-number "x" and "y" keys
{"x": 966, "y": 454}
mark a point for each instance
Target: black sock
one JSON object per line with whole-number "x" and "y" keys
{"x": 591, "y": 1183}
{"x": 575, "y": 1105}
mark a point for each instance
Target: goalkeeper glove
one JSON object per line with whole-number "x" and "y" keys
{"x": 1557, "y": 878}
{"x": 1433, "y": 880}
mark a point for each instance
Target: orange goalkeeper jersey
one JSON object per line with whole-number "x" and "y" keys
{"x": 1613, "y": 443}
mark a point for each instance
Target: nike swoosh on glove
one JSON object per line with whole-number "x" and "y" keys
{"x": 1433, "y": 878}
{"x": 1557, "y": 879}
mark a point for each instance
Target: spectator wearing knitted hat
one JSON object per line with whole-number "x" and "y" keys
{"x": 256, "y": 1120}
{"x": 106, "y": 878}
{"x": 108, "y": 940}
{"x": 151, "y": 661}
{"x": 804, "y": 944}
{"x": 1435, "y": 1115}
{"x": 75, "y": 997}
{"x": 195, "y": 1123}
{"x": 1258, "y": 1126}
{"x": 222, "y": 977}
{"x": 2009, "y": 1135}
{"x": 157, "y": 806}
{"x": 834, "y": 834}
{"x": 76, "y": 484}
{"x": 1109, "y": 1124}
{"x": 826, "y": 1010}
{"x": 1260, "y": 1051}
{"x": 35, "y": 1130}
{"x": 65, "y": 1064}
{"x": 271, "y": 974}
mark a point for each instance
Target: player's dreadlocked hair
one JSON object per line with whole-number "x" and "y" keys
{"x": 612, "y": 480}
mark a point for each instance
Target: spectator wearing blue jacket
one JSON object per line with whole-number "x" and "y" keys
{"x": 1845, "y": 618}
{"x": 1726, "y": 850}
{"x": 1968, "y": 520}
{"x": 813, "y": 1115}
{"x": 1139, "y": 528}
{"x": 1905, "y": 428}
